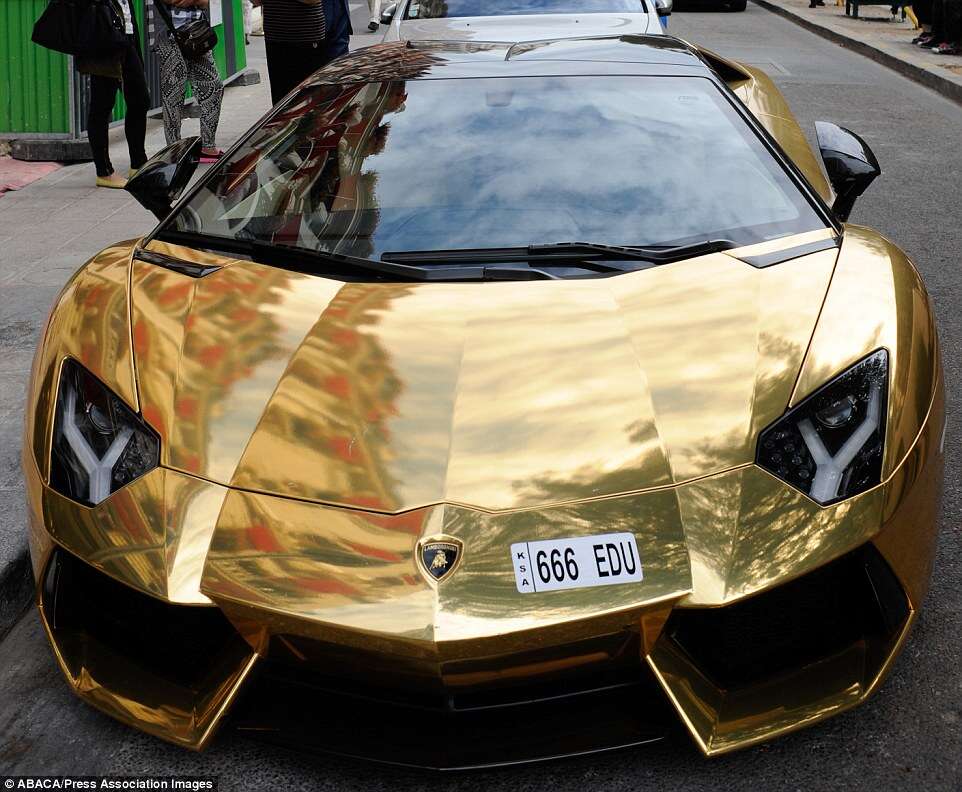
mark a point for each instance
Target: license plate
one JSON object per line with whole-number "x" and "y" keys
{"x": 550, "y": 565}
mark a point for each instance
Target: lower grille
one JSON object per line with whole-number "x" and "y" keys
{"x": 426, "y": 727}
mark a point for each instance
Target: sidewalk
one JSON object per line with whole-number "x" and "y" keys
{"x": 47, "y": 230}
{"x": 879, "y": 36}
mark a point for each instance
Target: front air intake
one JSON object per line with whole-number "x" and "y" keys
{"x": 856, "y": 599}
{"x": 168, "y": 669}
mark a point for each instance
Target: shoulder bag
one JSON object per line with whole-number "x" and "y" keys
{"x": 193, "y": 39}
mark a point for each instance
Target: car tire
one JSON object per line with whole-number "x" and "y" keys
{"x": 738, "y": 5}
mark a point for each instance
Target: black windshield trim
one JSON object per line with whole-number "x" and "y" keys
{"x": 190, "y": 268}
{"x": 587, "y": 255}
{"x": 764, "y": 260}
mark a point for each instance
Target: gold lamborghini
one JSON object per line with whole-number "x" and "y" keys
{"x": 490, "y": 403}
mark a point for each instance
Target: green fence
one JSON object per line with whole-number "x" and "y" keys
{"x": 41, "y": 95}
{"x": 34, "y": 82}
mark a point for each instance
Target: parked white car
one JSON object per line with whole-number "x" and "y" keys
{"x": 520, "y": 20}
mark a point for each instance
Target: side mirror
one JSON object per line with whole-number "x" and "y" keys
{"x": 387, "y": 15}
{"x": 159, "y": 183}
{"x": 850, "y": 164}
{"x": 664, "y": 7}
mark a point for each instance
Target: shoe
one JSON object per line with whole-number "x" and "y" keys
{"x": 373, "y": 25}
{"x": 208, "y": 157}
{"x": 114, "y": 181}
{"x": 945, "y": 48}
{"x": 925, "y": 38}
{"x": 930, "y": 44}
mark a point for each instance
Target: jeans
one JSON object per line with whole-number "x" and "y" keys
{"x": 103, "y": 94}
{"x": 338, "y": 30}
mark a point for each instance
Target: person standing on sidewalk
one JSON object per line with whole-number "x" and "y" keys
{"x": 122, "y": 70}
{"x": 176, "y": 69}
{"x": 339, "y": 28}
{"x": 294, "y": 41}
{"x": 375, "y": 22}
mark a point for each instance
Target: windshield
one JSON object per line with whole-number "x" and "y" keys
{"x": 370, "y": 168}
{"x": 437, "y": 9}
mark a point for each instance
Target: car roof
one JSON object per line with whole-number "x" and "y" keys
{"x": 654, "y": 54}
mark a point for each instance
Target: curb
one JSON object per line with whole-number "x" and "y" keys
{"x": 949, "y": 88}
{"x": 16, "y": 590}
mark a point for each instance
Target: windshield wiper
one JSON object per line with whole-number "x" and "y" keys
{"x": 585, "y": 254}
{"x": 657, "y": 254}
{"x": 306, "y": 260}
{"x": 454, "y": 265}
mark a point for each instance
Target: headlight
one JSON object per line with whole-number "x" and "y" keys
{"x": 830, "y": 445}
{"x": 99, "y": 444}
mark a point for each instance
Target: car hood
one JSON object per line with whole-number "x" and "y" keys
{"x": 535, "y": 27}
{"x": 494, "y": 396}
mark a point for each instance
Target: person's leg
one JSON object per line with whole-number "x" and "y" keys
{"x": 103, "y": 94}
{"x": 375, "y": 23}
{"x": 209, "y": 90}
{"x": 278, "y": 69}
{"x": 137, "y": 98}
{"x": 173, "y": 77}
{"x": 937, "y": 22}
{"x": 953, "y": 21}
{"x": 338, "y": 26}
{"x": 288, "y": 64}
{"x": 923, "y": 13}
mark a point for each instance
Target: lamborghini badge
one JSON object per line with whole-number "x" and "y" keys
{"x": 439, "y": 558}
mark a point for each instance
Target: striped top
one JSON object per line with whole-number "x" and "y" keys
{"x": 181, "y": 16}
{"x": 157, "y": 31}
{"x": 292, "y": 20}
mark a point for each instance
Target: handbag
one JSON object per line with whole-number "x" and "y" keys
{"x": 84, "y": 28}
{"x": 193, "y": 39}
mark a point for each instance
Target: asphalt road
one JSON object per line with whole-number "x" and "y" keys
{"x": 909, "y": 736}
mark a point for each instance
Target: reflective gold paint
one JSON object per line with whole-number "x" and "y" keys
{"x": 89, "y": 323}
{"x": 913, "y": 496}
{"x": 397, "y": 396}
{"x": 346, "y": 576}
{"x": 38, "y": 539}
{"x": 724, "y": 367}
{"x": 877, "y": 300}
{"x": 747, "y": 531}
{"x": 153, "y": 534}
{"x": 231, "y": 335}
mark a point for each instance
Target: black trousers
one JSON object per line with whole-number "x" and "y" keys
{"x": 947, "y": 20}
{"x": 290, "y": 62}
{"x": 103, "y": 95}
